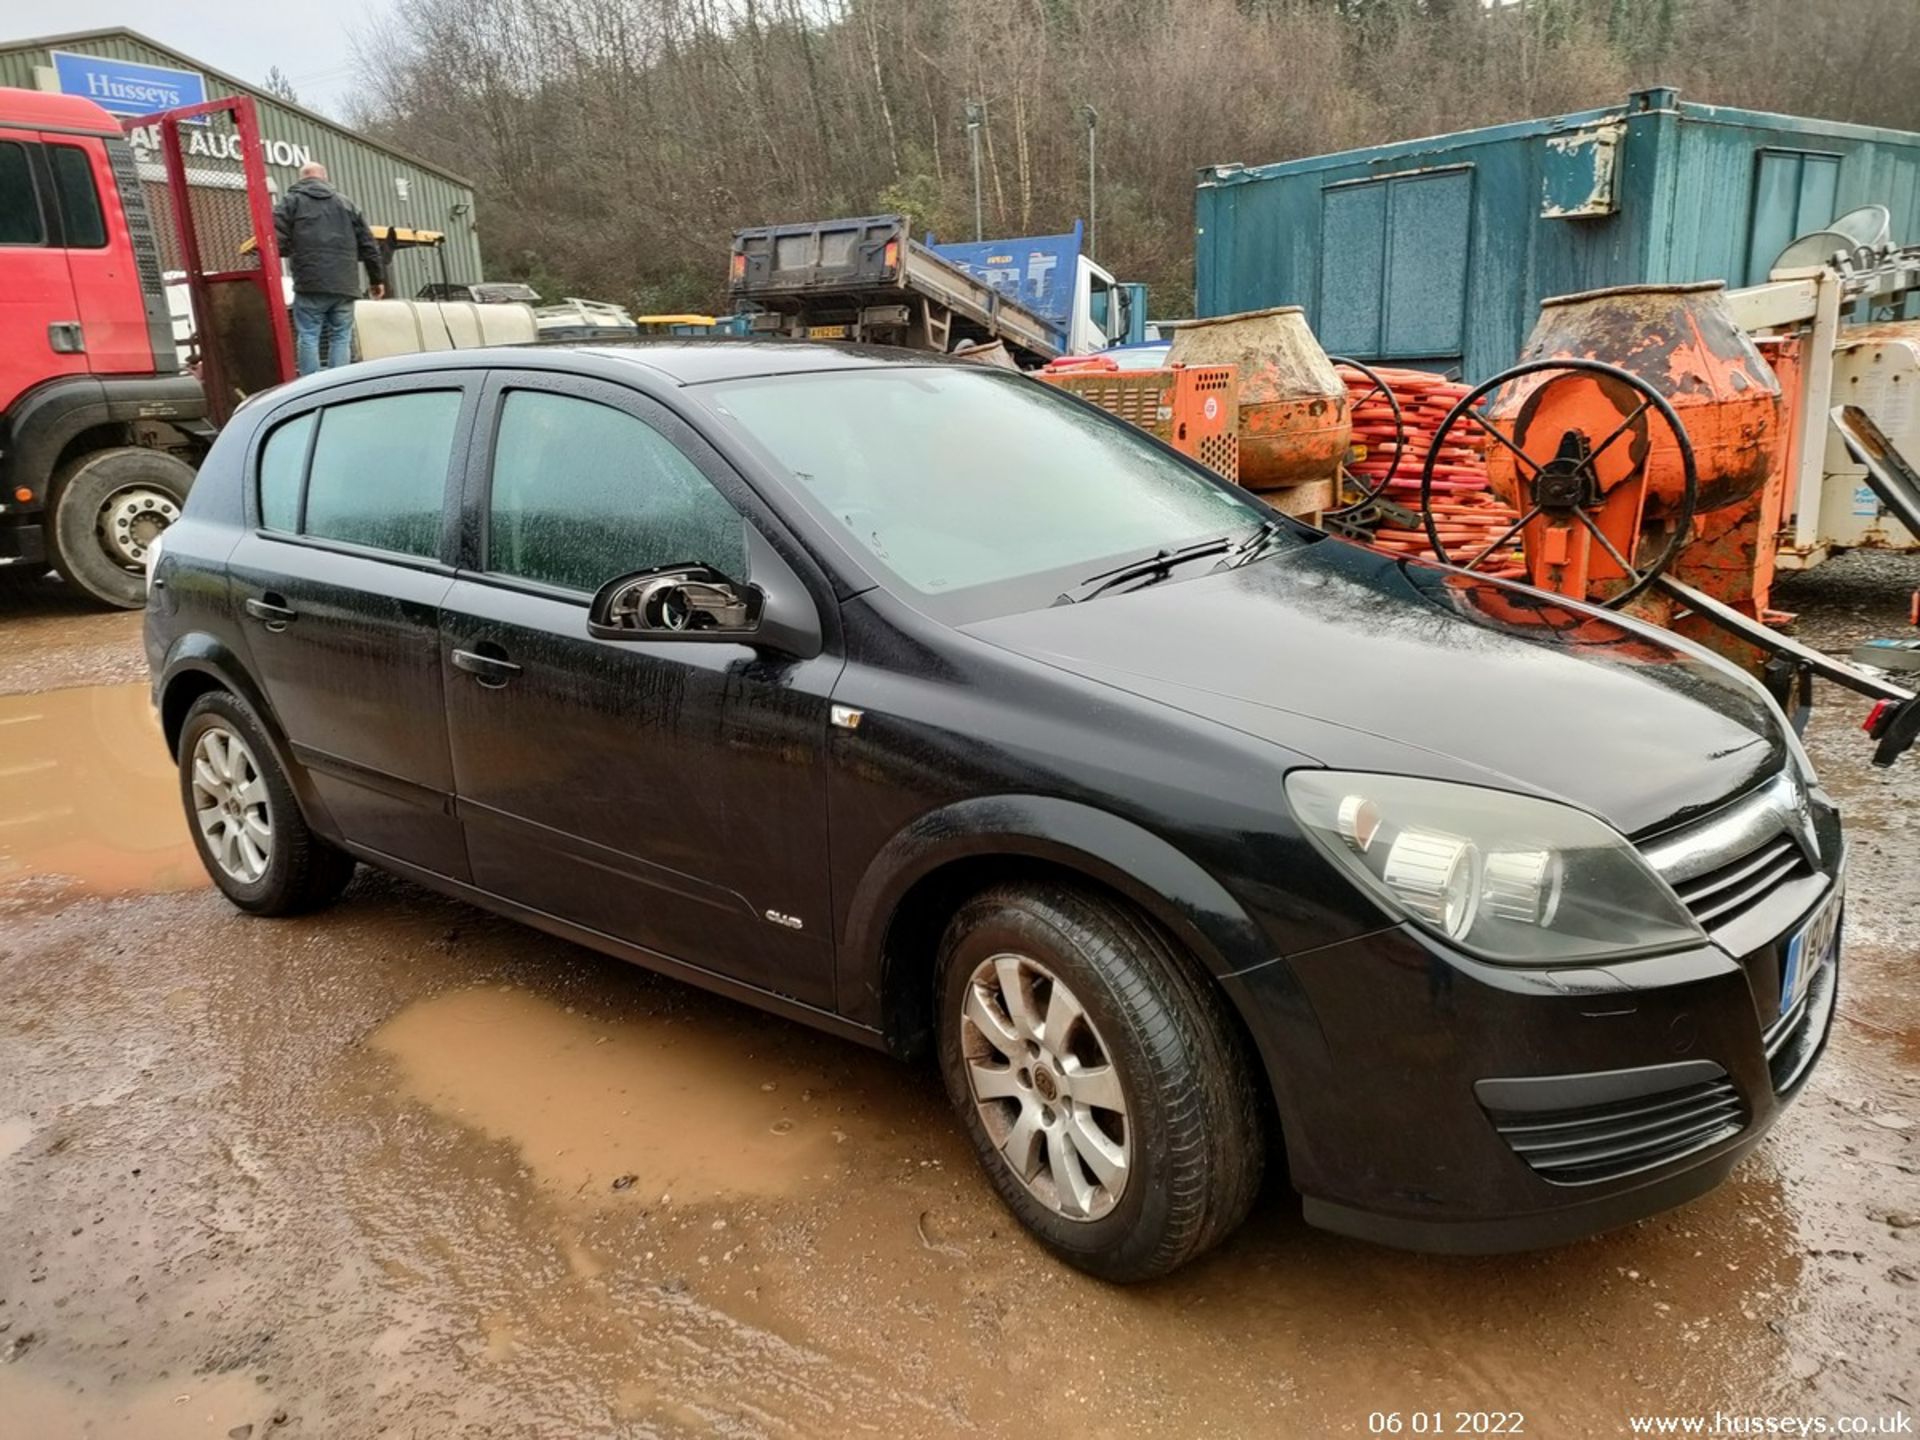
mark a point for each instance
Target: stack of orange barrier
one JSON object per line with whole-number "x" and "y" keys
{"x": 1467, "y": 514}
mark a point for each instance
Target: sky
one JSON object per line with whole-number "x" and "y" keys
{"x": 311, "y": 42}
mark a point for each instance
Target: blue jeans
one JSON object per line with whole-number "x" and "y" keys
{"x": 312, "y": 314}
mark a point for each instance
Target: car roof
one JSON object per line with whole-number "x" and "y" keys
{"x": 676, "y": 360}
{"x": 693, "y": 362}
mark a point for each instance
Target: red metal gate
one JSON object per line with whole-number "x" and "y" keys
{"x": 222, "y": 220}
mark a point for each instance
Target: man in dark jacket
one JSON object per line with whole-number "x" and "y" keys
{"x": 323, "y": 244}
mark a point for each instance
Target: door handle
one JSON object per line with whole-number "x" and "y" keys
{"x": 492, "y": 671}
{"x": 273, "y": 609}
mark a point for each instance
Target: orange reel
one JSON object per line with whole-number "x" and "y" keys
{"x": 1584, "y": 460}
{"x": 1354, "y": 492}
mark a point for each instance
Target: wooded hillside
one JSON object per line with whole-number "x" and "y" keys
{"x": 616, "y": 144}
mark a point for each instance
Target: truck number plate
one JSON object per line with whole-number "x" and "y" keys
{"x": 1816, "y": 945}
{"x": 827, "y": 332}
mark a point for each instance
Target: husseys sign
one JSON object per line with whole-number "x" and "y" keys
{"x": 126, "y": 87}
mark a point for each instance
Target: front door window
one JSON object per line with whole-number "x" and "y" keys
{"x": 583, "y": 493}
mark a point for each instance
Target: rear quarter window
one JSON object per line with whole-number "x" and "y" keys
{"x": 283, "y": 465}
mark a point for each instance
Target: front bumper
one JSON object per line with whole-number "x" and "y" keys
{"x": 1454, "y": 1106}
{"x": 22, "y": 539}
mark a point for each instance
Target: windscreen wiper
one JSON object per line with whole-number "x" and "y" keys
{"x": 1263, "y": 535}
{"x": 1156, "y": 564}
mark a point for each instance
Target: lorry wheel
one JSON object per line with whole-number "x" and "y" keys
{"x": 108, "y": 506}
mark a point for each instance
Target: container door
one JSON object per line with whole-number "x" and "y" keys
{"x": 40, "y": 331}
{"x": 1394, "y": 264}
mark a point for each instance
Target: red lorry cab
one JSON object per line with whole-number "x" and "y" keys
{"x": 71, "y": 297}
{"x": 99, "y": 427}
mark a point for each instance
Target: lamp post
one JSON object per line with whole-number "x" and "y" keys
{"x": 1092, "y": 117}
{"x": 976, "y": 117}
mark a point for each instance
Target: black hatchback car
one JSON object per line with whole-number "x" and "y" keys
{"x": 933, "y": 707}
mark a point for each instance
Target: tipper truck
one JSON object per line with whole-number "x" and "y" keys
{"x": 867, "y": 278}
{"x": 1053, "y": 276}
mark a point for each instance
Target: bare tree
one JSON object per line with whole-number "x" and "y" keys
{"x": 616, "y": 143}
{"x": 278, "y": 84}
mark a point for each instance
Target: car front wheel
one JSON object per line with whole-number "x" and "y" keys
{"x": 1099, "y": 1077}
{"x": 244, "y": 818}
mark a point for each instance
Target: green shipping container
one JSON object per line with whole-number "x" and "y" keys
{"x": 1436, "y": 253}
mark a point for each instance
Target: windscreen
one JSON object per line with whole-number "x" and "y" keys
{"x": 954, "y": 478}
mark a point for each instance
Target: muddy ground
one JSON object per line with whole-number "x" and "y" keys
{"x": 405, "y": 1169}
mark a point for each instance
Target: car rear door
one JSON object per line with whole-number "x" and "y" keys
{"x": 669, "y": 794}
{"x": 346, "y": 558}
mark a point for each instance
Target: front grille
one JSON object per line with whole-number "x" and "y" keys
{"x": 1726, "y": 893}
{"x": 1588, "y": 1144}
{"x": 1725, "y": 866}
{"x": 133, "y": 207}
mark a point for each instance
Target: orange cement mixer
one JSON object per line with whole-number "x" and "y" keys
{"x": 1295, "y": 425}
{"x": 1640, "y": 435}
{"x": 1644, "y": 442}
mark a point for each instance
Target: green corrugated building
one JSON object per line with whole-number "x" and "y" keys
{"x": 1437, "y": 252}
{"x": 131, "y": 75}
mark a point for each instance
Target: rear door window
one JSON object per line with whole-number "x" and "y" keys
{"x": 20, "y": 222}
{"x": 583, "y": 493}
{"x": 379, "y": 471}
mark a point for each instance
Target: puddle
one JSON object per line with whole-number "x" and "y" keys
{"x": 88, "y": 796}
{"x": 195, "y": 1407}
{"x": 680, "y": 1105}
{"x": 15, "y": 1132}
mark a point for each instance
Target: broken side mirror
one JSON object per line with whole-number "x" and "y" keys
{"x": 696, "y": 602}
{"x": 685, "y": 601}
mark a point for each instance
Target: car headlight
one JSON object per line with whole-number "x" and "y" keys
{"x": 1505, "y": 877}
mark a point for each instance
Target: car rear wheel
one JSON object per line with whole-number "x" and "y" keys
{"x": 1099, "y": 1077}
{"x": 108, "y": 507}
{"x": 245, "y": 822}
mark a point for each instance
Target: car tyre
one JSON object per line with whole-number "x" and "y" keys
{"x": 1151, "y": 1143}
{"x": 243, "y": 816}
{"x": 106, "y": 508}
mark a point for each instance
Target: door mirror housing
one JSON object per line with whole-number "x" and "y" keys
{"x": 697, "y": 603}
{"x": 687, "y": 601}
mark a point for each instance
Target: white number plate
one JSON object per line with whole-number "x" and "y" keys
{"x": 1817, "y": 944}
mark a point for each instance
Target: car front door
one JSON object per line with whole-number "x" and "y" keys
{"x": 339, "y": 579}
{"x": 668, "y": 793}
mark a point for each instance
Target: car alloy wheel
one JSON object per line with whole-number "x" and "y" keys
{"x": 230, "y": 805}
{"x": 1046, "y": 1086}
